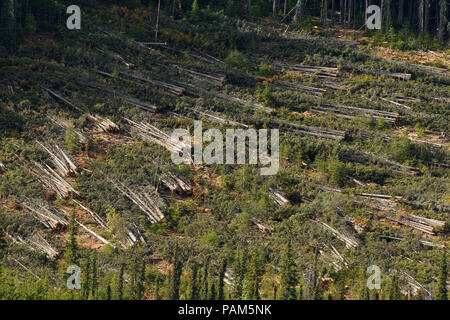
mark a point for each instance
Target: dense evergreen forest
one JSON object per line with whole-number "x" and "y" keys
{"x": 86, "y": 176}
{"x": 20, "y": 17}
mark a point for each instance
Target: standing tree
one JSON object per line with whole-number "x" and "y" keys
{"x": 239, "y": 267}
{"x": 298, "y": 11}
{"x": 221, "y": 285}
{"x": 442, "y": 29}
{"x": 442, "y": 293}
{"x": 252, "y": 278}
{"x": 394, "y": 290}
{"x": 174, "y": 290}
{"x": 120, "y": 285}
{"x": 288, "y": 275}
{"x": 71, "y": 254}
{"x": 94, "y": 276}
{"x": 205, "y": 288}
{"x": 87, "y": 278}
{"x": 193, "y": 286}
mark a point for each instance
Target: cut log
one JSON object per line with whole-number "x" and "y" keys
{"x": 261, "y": 226}
{"x": 278, "y": 198}
{"x": 35, "y": 242}
{"x": 64, "y": 124}
{"x": 310, "y": 131}
{"x": 350, "y": 112}
{"x": 52, "y": 180}
{"x": 300, "y": 68}
{"x": 151, "y": 133}
{"x": 45, "y": 214}
{"x": 128, "y": 99}
{"x": 218, "y": 79}
{"x": 60, "y": 160}
{"x": 93, "y": 233}
{"x": 349, "y": 243}
{"x": 175, "y": 183}
{"x": 104, "y": 123}
{"x": 176, "y": 90}
{"x": 150, "y": 204}
{"x": 95, "y": 216}
{"x": 60, "y": 97}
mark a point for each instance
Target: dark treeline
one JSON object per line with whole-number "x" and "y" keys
{"x": 21, "y": 17}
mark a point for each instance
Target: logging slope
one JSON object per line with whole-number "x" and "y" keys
{"x": 86, "y": 175}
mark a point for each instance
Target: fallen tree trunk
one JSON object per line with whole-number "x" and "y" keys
{"x": 142, "y": 200}
{"x": 278, "y": 198}
{"x": 45, "y": 215}
{"x": 93, "y": 233}
{"x": 350, "y": 112}
{"x": 128, "y": 99}
{"x": 61, "y": 161}
{"x": 175, "y": 183}
{"x": 151, "y": 133}
{"x": 52, "y": 180}
{"x": 104, "y": 123}
{"x": 311, "y": 131}
{"x": 349, "y": 243}
{"x": 95, "y": 216}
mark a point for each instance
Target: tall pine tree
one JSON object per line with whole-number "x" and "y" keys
{"x": 288, "y": 275}
{"x": 442, "y": 293}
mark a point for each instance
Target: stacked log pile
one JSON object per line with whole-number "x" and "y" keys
{"x": 151, "y": 133}
{"x": 134, "y": 237}
{"x": 278, "y": 197}
{"x": 60, "y": 160}
{"x": 349, "y": 112}
{"x": 45, "y": 214}
{"x": 175, "y": 183}
{"x": 148, "y": 201}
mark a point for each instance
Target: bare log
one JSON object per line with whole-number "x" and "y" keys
{"x": 350, "y": 112}
{"x": 175, "y": 183}
{"x": 278, "y": 197}
{"x": 349, "y": 243}
{"x": 95, "y": 216}
{"x": 48, "y": 217}
{"x": 93, "y": 233}
{"x": 148, "y": 204}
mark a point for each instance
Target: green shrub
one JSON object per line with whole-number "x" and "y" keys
{"x": 237, "y": 60}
